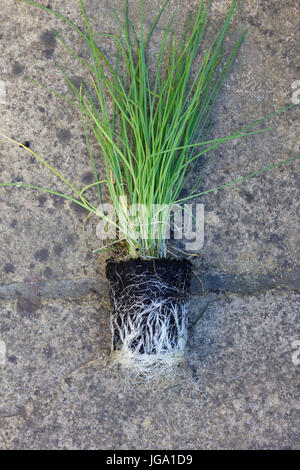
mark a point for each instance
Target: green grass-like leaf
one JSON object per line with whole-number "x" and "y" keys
{"x": 157, "y": 131}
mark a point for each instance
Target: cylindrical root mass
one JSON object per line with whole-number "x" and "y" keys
{"x": 149, "y": 302}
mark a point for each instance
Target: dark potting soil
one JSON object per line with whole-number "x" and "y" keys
{"x": 175, "y": 273}
{"x": 142, "y": 282}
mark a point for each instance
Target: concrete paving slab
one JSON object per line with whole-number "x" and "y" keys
{"x": 249, "y": 228}
{"x": 57, "y": 387}
{"x": 239, "y": 391}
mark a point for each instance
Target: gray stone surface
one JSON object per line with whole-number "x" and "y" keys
{"x": 249, "y": 228}
{"x": 57, "y": 389}
{"x": 239, "y": 390}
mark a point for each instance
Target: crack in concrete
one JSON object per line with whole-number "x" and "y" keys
{"x": 246, "y": 284}
{"x": 54, "y": 289}
{"x": 19, "y": 410}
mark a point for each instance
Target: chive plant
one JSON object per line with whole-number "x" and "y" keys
{"x": 151, "y": 123}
